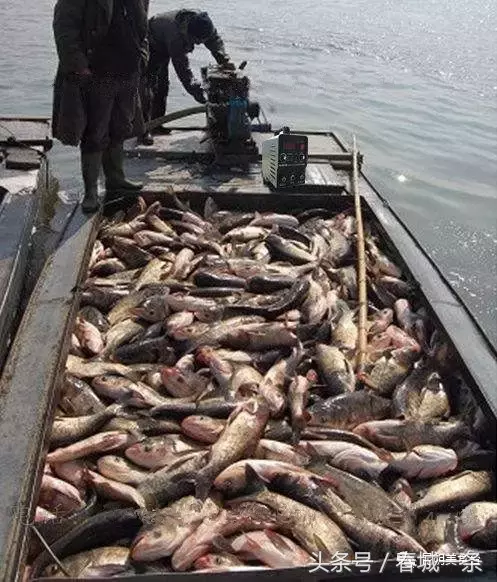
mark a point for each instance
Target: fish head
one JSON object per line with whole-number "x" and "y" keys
{"x": 156, "y": 541}
{"x": 477, "y": 524}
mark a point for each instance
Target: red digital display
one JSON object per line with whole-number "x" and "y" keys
{"x": 290, "y": 145}
{"x": 302, "y": 147}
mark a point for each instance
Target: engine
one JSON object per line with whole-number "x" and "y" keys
{"x": 230, "y": 114}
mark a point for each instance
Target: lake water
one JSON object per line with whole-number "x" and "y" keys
{"x": 416, "y": 81}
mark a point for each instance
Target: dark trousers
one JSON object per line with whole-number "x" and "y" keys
{"x": 110, "y": 107}
{"x": 155, "y": 87}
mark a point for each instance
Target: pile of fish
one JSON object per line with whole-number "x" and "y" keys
{"x": 211, "y": 417}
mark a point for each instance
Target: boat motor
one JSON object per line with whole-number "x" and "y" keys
{"x": 230, "y": 113}
{"x": 284, "y": 159}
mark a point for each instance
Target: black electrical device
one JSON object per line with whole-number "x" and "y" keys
{"x": 284, "y": 160}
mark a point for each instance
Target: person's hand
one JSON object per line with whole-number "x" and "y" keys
{"x": 198, "y": 94}
{"x": 229, "y": 65}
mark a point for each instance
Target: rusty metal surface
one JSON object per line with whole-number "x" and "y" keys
{"x": 29, "y": 383}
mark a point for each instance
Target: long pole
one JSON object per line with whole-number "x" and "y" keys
{"x": 361, "y": 267}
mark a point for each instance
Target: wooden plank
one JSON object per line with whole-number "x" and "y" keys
{"x": 32, "y": 131}
{"x": 22, "y": 159}
{"x": 28, "y": 384}
{"x": 17, "y": 215}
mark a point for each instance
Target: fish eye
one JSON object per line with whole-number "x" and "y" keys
{"x": 157, "y": 534}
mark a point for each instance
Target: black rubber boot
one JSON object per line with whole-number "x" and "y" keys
{"x": 147, "y": 139}
{"x": 90, "y": 168}
{"x": 115, "y": 181}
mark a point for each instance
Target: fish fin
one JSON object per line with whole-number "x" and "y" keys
{"x": 210, "y": 208}
{"x": 311, "y": 452}
{"x": 322, "y": 548}
{"x": 279, "y": 541}
{"x": 255, "y": 483}
{"x": 387, "y": 477}
{"x": 136, "y": 434}
{"x": 203, "y": 485}
{"x": 220, "y": 543}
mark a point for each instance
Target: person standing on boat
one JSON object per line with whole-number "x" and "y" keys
{"x": 102, "y": 48}
{"x": 172, "y": 35}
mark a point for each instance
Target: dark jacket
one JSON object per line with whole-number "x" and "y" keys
{"x": 79, "y": 25}
{"x": 169, "y": 39}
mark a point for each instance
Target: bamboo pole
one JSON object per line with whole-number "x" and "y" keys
{"x": 361, "y": 267}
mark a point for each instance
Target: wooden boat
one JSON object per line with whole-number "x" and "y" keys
{"x": 23, "y": 178}
{"x": 178, "y": 164}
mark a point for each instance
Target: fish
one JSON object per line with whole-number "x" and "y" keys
{"x": 103, "y": 299}
{"x": 367, "y": 500}
{"x": 182, "y": 385}
{"x": 68, "y": 430}
{"x": 315, "y": 305}
{"x": 154, "y": 309}
{"x": 425, "y": 462}
{"x": 349, "y": 457}
{"x": 272, "y": 549}
{"x": 153, "y": 350}
{"x": 108, "y": 267}
{"x": 345, "y": 334}
{"x": 203, "y": 428}
{"x": 245, "y": 379}
{"x": 77, "y": 397}
{"x": 59, "y": 497}
{"x": 335, "y": 369}
{"x": 477, "y": 525}
{"x": 298, "y": 397}
{"x": 347, "y": 411}
{"x": 172, "y": 483}
{"x": 220, "y": 562}
{"x": 406, "y": 397}
{"x": 400, "y": 435}
{"x": 123, "y": 308}
{"x": 388, "y": 373}
{"x": 240, "y": 438}
{"x": 114, "y": 490}
{"x": 434, "y": 400}
{"x": 129, "y": 252}
{"x": 89, "y": 336}
{"x": 166, "y": 529}
{"x": 120, "y": 469}
{"x": 455, "y": 491}
{"x": 72, "y": 472}
{"x": 314, "y": 531}
{"x": 121, "y": 333}
{"x": 288, "y": 250}
{"x": 272, "y": 386}
{"x": 98, "y": 443}
{"x": 380, "y": 322}
{"x": 233, "y": 480}
{"x": 95, "y": 317}
{"x": 79, "y": 565}
{"x": 90, "y": 369}
{"x": 376, "y": 537}
{"x": 157, "y": 452}
{"x": 245, "y": 517}
{"x": 274, "y": 450}
{"x": 436, "y": 533}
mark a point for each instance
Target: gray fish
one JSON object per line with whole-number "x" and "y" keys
{"x": 455, "y": 491}
{"x": 335, "y": 369}
{"x": 346, "y": 411}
